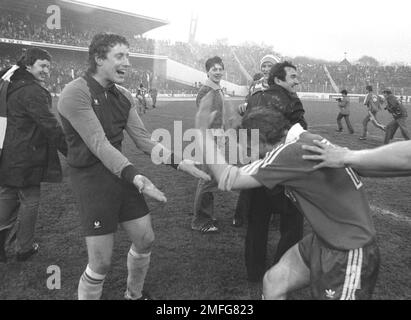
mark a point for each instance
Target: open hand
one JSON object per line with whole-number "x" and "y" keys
{"x": 242, "y": 108}
{"x": 330, "y": 156}
{"x": 145, "y": 186}
{"x": 189, "y": 166}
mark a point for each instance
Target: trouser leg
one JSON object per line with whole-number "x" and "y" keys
{"x": 365, "y": 124}
{"x": 348, "y": 122}
{"x": 339, "y": 124}
{"x": 403, "y": 127}
{"x": 390, "y": 130}
{"x": 243, "y": 205}
{"x": 9, "y": 207}
{"x": 257, "y": 234}
{"x": 30, "y": 200}
{"x": 204, "y": 202}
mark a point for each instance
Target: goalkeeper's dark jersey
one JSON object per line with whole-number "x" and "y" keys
{"x": 332, "y": 200}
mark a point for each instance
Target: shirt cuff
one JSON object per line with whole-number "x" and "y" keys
{"x": 129, "y": 172}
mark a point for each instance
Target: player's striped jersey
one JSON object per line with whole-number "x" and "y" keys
{"x": 332, "y": 200}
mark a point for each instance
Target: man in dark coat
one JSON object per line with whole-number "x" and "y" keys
{"x": 399, "y": 113}
{"x": 29, "y": 155}
{"x": 281, "y": 96}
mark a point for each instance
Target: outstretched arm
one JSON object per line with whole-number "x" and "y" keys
{"x": 394, "y": 158}
{"x": 74, "y": 105}
{"x": 227, "y": 176}
{"x": 142, "y": 139}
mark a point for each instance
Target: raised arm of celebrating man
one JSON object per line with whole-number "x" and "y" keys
{"x": 391, "y": 160}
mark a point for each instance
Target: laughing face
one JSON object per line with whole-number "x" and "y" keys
{"x": 40, "y": 70}
{"x": 265, "y": 69}
{"x": 216, "y": 73}
{"x": 113, "y": 68}
{"x": 291, "y": 80}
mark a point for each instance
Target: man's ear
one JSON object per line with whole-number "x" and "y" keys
{"x": 277, "y": 81}
{"x": 264, "y": 147}
{"x": 99, "y": 61}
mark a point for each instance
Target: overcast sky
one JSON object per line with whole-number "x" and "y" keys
{"x": 314, "y": 28}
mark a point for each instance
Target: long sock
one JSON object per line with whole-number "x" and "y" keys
{"x": 137, "y": 265}
{"x": 3, "y": 236}
{"x": 90, "y": 286}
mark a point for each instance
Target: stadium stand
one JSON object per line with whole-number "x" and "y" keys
{"x": 18, "y": 23}
{"x": 26, "y": 27}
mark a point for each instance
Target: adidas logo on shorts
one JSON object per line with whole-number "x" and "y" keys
{"x": 329, "y": 294}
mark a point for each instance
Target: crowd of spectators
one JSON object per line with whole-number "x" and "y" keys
{"x": 313, "y": 77}
{"x": 196, "y": 54}
{"x": 356, "y": 77}
{"x": 241, "y": 61}
{"x": 26, "y": 27}
{"x": 65, "y": 69}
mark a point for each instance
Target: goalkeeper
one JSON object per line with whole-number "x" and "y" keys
{"x": 95, "y": 111}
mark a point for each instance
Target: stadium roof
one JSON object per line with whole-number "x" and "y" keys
{"x": 120, "y": 19}
{"x": 88, "y": 14}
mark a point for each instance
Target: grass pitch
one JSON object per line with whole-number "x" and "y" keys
{"x": 186, "y": 264}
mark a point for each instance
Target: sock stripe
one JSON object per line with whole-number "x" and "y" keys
{"x": 94, "y": 275}
{"x": 138, "y": 255}
{"x": 90, "y": 279}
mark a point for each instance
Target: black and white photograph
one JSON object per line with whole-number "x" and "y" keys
{"x": 224, "y": 151}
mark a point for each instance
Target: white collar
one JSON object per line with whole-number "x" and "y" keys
{"x": 294, "y": 133}
{"x": 212, "y": 85}
{"x": 9, "y": 73}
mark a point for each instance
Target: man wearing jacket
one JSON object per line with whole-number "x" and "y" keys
{"x": 260, "y": 83}
{"x": 344, "y": 106}
{"x": 203, "y": 218}
{"x": 399, "y": 114}
{"x": 29, "y": 154}
{"x": 373, "y": 104}
{"x": 280, "y": 95}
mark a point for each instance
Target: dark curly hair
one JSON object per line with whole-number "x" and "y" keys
{"x": 278, "y": 71}
{"x": 212, "y": 61}
{"x": 272, "y": 124}
{"x": 31, "y": 55}
{"x": 100, "y": 45}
